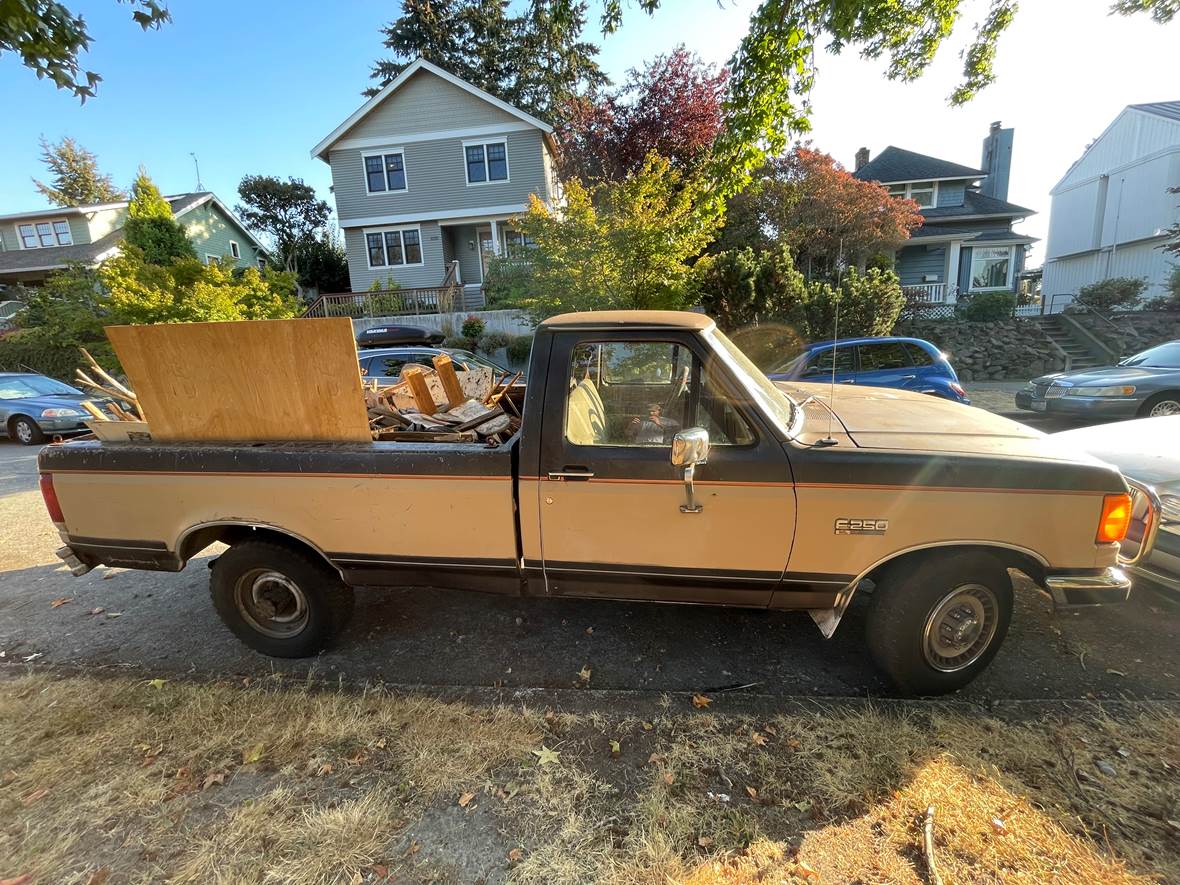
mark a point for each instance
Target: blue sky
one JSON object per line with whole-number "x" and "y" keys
{"x": 250, "y": 87}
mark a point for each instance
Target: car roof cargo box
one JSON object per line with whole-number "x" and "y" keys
{"x": 397, "y": 336}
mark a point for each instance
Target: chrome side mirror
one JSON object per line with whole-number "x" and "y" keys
{"x": 689, "y": 448}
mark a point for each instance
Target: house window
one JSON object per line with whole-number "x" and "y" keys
{"x": 486, "y": 162}
{"x": 517, "y": 244}
{"x": 43, "y": 234}
{"x": 394, "y": 248}
{"x": 262, "y": 264}
{"x": 924, "y": 193}
{"x": 211, "y": 259}
{"x": 234, "y": 250}
{"x": 990, "y": 267}
{"x": 385, "y": 172}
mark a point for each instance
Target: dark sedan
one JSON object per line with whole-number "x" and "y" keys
{"x": 1146, "y": 385}
{"x": 384, "y": 364}
{"x": 33, "y": 407}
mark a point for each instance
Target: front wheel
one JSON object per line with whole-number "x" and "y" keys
{"x": 935, "y": 624}
{"x": 26, "y": 431}
{"x": 1161, "y": 405}
{"x": 279, "y": 600}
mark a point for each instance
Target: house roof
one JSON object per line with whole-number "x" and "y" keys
{"x": 944, "y": 232}
{"x": 896, "y": 164}
{"x": 1169, "y": 109}
{"x": 975, "y": 204}
{"x": 421, "y": 64}
{"x": 179, "y": 203}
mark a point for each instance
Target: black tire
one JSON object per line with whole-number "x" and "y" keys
{"x": 307, "y": 601}
{"x": 1169, "y": 399}
{"x": 24, "y": 430}
{"x": 924, "y": 609}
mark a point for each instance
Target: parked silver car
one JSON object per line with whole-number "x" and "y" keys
{"x": 1146, "y": 452}
{"x": 1144, "y": 385}
{"x": 33, "y": 407}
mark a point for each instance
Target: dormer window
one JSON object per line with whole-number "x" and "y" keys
{"x": 43, "y": 234}
{"x": 924, "y": 193}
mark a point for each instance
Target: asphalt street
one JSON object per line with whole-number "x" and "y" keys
{"x": 161, "y": 624}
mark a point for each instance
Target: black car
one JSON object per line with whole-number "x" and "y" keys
{"x": 33, "y": 407}
{"x": 384, "y": 365}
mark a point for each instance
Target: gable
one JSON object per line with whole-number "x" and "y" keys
{"x": 1135, "y": 133}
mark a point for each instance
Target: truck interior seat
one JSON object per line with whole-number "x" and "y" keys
{"x": 585, "y": 419}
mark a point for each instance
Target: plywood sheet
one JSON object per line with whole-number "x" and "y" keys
{"x": 246, "y": 381}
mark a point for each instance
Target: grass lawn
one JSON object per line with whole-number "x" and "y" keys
{"x": 120, "y": 780}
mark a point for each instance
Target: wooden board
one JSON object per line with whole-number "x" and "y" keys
{"x": 246, "y": 381}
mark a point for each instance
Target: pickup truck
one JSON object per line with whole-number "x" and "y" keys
{"x": 654, "y": 462}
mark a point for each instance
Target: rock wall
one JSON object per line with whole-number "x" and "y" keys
{"x": 1006, "y": 350}
{"x": 1135, "y": 331}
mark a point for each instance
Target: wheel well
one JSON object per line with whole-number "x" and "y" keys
{"x": 1006, "y": 556}
{"x": 1162, "y": 394}
{"x": 235, "y": 533}
{"x": 12, "y": 419}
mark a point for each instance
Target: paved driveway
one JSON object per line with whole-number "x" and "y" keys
{"x": 164, "y": 624}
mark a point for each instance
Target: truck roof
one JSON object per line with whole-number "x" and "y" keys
{"x": 677, "y": 319}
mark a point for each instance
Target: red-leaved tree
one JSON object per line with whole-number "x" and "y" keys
{"x": 672, "y": 107}
{"x": 806, "y": 200}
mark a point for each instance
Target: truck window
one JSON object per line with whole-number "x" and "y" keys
{"x": 624, "y": 393}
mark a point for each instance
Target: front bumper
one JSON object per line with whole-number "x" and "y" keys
{"x": 61, "y": 425}
{"x": 1108, "y": 586}
{"x": 1082, "y": 406}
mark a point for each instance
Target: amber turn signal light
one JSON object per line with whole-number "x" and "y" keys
{"x": 1115, "y": 520}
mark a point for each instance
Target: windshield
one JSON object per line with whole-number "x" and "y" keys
{"x": 776, "y": 404}
{"x": 1162, "y": 356}
{"x": 466, "y": 356}
{"x": 26, "y": 386}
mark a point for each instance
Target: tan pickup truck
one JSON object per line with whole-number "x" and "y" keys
{"x": 654, "y": 462}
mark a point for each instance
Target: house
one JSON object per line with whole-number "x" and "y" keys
{"x": 1111, "y": 209}
{"x": 34, "y": 244}
{"x": 966, "y": 243}
{"x": 425, "y": 175}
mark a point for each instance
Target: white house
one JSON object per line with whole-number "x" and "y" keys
{"x": 1111, "y": 209}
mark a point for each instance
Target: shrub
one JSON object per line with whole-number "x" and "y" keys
{"x": 508, "y": 281}
{"x": 493, "y": 341}
{"x": 1170, "y": 300}
{"x": 389, "y": 284}
{"x": 519, "y": 349}
{"x": 455, "y": 342}
{"x": 1107, "y": 295}
{"x": 988, "y": 307}
{"x": 724, "y": 286}
{"x": 473, "y": 328}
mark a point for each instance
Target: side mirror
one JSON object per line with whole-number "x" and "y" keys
{"x": 689, "y": 448}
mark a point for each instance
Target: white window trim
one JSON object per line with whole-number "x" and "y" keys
{"x": 483, "y": 142}
{"x": 1011, "y": 267}
{"x": 36, "y": 236}
{"x": 211, "y": 259}
{"x": 235, "y": 250}
{"x": 383, "y": 153}
{"x": 260, "y": 262}
{"x": 384, "y": 230}
{"x": 909, "y": 185}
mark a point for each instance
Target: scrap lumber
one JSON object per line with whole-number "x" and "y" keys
{"x": 95, "y": 413}
{"x": 450, "y": 381}
{"x": 413, "y": 376}
{"x": 476, "y": 384}
{"x": 108, "y": 378}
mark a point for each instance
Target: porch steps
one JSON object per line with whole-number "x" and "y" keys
{"x": 1079, "y": 354}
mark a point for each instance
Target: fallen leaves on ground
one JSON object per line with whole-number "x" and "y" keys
{"x": 59, "y": 602}
{"x": 254, "y": 754}
{"x": 545, "y": 756}
{"x": 701, "y": 701}
{"x": 465, "y": 799}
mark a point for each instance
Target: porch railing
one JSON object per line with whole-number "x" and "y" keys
{"x": 931, "y": 293}
{"x": 386, "y": 303}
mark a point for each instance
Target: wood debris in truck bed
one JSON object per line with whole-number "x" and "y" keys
{"x": 420, "y": 407}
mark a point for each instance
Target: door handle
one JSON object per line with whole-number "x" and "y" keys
{"x": 571, "y": 475}
{"x": 908, "y": 377}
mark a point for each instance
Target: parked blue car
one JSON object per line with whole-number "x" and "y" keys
{"x": 33, "y": 407}
{"x": 905, "y": 363}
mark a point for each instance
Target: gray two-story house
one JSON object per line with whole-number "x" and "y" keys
{"x": 966, "y": 243}
{"x": 426, "y": 174}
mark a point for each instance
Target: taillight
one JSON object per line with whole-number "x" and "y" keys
{"x": 957, "y": 388}
{"x": 50, "y": 496}
{"x": 1115, "y": 519}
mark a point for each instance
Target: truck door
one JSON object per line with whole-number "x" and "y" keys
{"x": 609, "y": 500}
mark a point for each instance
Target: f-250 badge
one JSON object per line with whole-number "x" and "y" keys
{"x": 848, "y": 526}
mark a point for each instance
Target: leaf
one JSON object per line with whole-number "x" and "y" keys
{"x": 589, "y": 631}
{"x": 357, "y": 879}
{"x": 655, "y": 759}
{"x": 769, "y": 729}
{"x": 669, "y": 777}
{"x": 753, "y": 793}
{"x": 34, "y": 796}
{"x": 615, "y": 749}
{"x": 794, "y": 744}
{"x": 415, "y": 847}
{"x": 758, "y": 738}
{"x": 704, "y": 841}
{"x": 515, "y": 855}
{"x": 379, "y": 871}
{"x": 255, "y": 753}
{"x": 465, "y": 799}
{"x": 999, "y": 827}
{"x": 157, "y": 683}
{"x": 1115, "y": 672}
{"x": 60, "y": 601}
{"x": 97, "y": 611}
{"x": 803, "y": 871}
{"x": 99, "y": 876}
{"x": 216, "y": 777}
{"x": 324, "y": 769}
{"x": 584, "y": 674}
{"x": 647, "y": 726}
{"x": 701, "y": 701}
{"x": 114, "y": 614}
{"x": 545, "y": 756}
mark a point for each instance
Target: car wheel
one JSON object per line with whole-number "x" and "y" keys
{"x": 278, "y": 599}
{"x": 1161, "y": 405}
{"x": 25, "y": 431}
{"x": 936, "y": 623}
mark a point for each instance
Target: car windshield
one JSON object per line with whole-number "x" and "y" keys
{"x": 26, "y": 386}
{"x": 1162, "y": 356}
{"x": 777, "y": 405}
{"x": 466, "y": 356}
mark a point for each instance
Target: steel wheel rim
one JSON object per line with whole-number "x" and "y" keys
{"x": 960, "y": 627}
{"x": 1163, "y": 409}
{"x": 24, "y": 432}
{"x": 271, "y": 603}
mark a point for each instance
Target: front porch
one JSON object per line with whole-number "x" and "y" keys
{"x": 471, "y": 245}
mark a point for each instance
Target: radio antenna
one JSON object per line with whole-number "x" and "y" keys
{"x": 829, "y": 440}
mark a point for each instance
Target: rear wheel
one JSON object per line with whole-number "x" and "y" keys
{"x": 278, "y": 599}
{"x": 25, "y": 431}
{"x": 936, "y": 623}
{"x": 1161, "y": 405}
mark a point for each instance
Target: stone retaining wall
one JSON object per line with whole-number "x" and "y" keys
{"x": 1134, "y": 331}
{"x": 1013, "y": 349}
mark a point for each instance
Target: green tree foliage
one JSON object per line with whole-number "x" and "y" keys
{"x": 988, "y": 307}
{"x": 1113, "y": 293}
{"x": 65, "y": 313}
{"x": 151, "y": 227}
{"x": 1170, "y": 300}
{"x": 534, "y": 60}
{"x": 48, "y": 37}
{"x": 289, "y": 212}
{"x": 322, "y": 263}
{"x": 617, "y": 245}
{"x": 75, "y": 179}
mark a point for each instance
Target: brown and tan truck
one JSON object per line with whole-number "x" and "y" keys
{"x": 654, "y": 462}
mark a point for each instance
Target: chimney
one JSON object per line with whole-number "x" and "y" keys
{"x": 996, "y": 162}
{"x": 862, "y": 157}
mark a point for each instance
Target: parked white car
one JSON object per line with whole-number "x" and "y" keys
{"x": 1146, "y": 452}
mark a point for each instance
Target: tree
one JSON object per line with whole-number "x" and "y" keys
{"x": 76, "y": 180}
{"x": 323, "y": 264}
{"x": 535, "y": 60}
{"x": 49, "y": 37}
{"x": 775, "y": 65}
{"x": 617, "y": 245}
{"x": 151, "y": 227}
{"x": 672, "y": 106}
{"x": 808, "y": 201}
{"x": 289, "y": 212}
